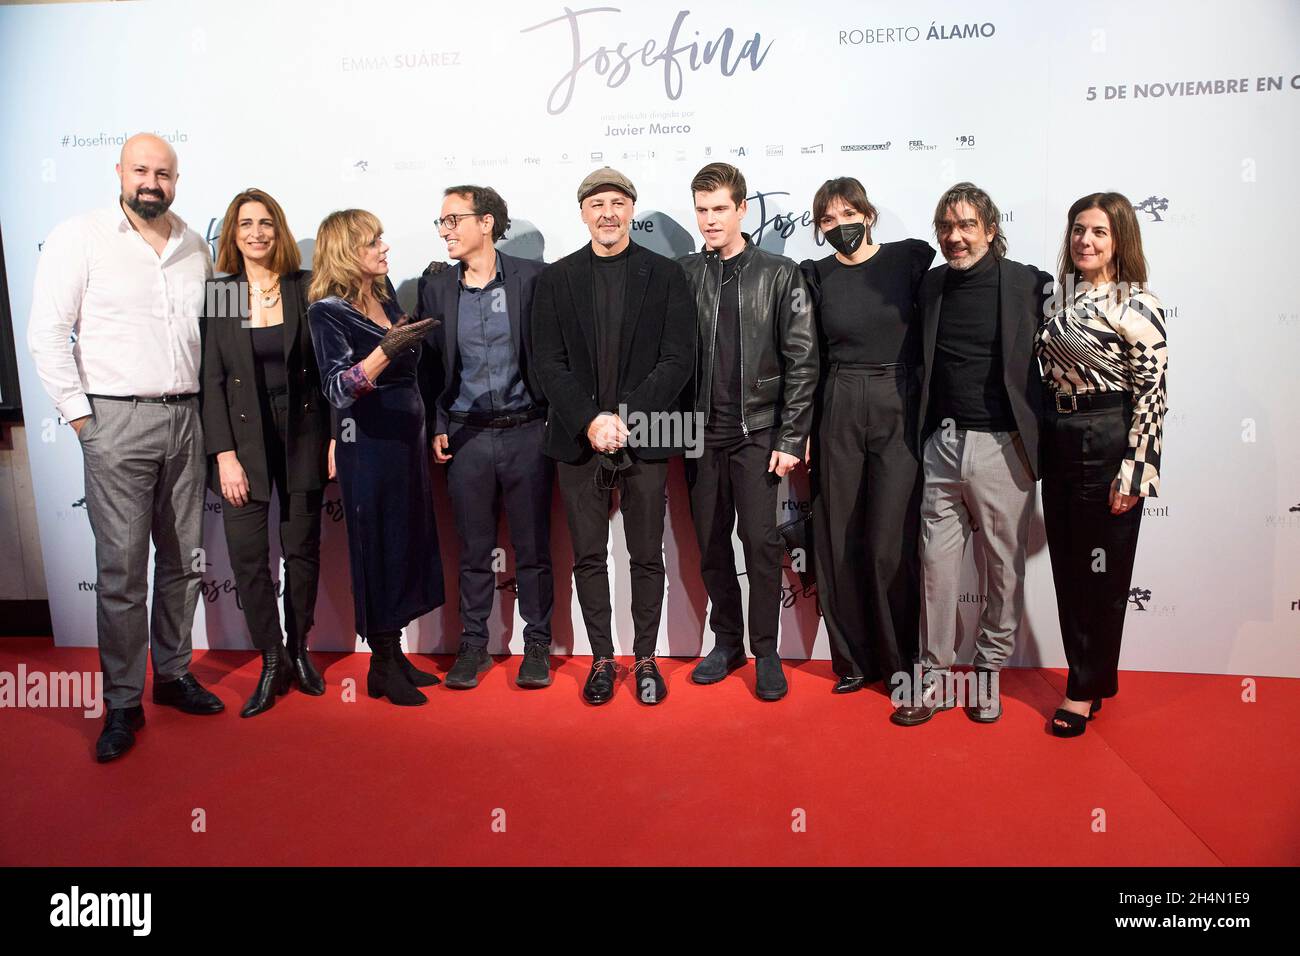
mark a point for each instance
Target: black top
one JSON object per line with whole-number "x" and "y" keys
{"x": 609, "y": 283}
{"x": 268, "y": 355}
{"x": 724, "y": 409}
{"x": 867, "y": 313}
{"x": 968, "y": 378}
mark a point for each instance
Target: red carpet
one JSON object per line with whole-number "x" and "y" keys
{"x": 1185, "y": 772}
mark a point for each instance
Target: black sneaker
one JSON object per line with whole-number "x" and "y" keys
{"x": 770, "y": 679}
{"x": 600, "y": 682}
{"x": 535, "y": 671}
{"x": 717, "y": 664}
{"x": 650, "y": 686}
{"x": 471, "y": 660}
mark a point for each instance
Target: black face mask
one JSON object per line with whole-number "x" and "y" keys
{"x": 846, "y": 237}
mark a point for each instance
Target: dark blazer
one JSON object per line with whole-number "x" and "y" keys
{"x": 439, "y": 297}
{"x": 1023, "y": 292}
{"x": 656, "y": 354}
{"x": 232, "y": 409}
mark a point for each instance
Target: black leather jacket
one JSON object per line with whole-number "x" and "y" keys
{"x": 778, "y": 345}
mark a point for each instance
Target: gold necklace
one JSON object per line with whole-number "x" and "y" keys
{"x": 270, "y": 296}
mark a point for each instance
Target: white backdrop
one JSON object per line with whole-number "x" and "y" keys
{"x": 1189, "y": 109}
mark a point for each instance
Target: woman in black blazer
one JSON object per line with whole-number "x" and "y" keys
{"x": 266, "y": 425}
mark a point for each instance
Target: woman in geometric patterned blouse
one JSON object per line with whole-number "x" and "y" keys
{"x": 1103, "y": 356}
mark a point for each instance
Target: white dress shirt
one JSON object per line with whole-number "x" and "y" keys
{"x": 135, "y": 314}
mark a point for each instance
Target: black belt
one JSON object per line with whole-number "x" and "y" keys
{"x": 148, "y": 400}
{"x": 277, "y": 390}
{"x": 1067, "y": 403}
{"x": 497, "y": 421}
{"x": 872, "y": 366}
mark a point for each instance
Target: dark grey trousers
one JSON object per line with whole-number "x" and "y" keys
{"x": 144, "y": 480}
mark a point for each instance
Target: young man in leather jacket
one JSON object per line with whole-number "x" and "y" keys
{"x": 755, "y": 373}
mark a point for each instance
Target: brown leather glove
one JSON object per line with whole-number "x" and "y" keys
{"x": 403, "y": 333}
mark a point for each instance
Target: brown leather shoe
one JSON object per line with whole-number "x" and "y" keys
{"x": 937, "y": 693}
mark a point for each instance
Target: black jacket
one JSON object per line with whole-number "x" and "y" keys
{"x": 655, "y": 354}
{"x": 231, "y": 405}
{"x": 439, "y": 297}
{"x": 1023, "y": 292}
{"x": 778, "y": 344}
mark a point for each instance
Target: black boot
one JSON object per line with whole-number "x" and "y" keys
{"x": 277, "y": 671}
{"x": 305, "y": 673}
{"x": 416, "y": 676}
{"x": 386, "y": 677}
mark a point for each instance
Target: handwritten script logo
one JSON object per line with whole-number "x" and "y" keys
{"x": 615, "y": 63}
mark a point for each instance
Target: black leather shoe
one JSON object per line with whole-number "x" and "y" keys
{"x": 717, "y": 664}
{"x": 305, "y": 674}
{"x": 535, "y": 671}
{"x": 471, "y": 661}
{"x": 277, "y": 672}
{"x": 118, "y": 735}
{"x": 936, "y": 694}
{"x": 988, "y": 704}
{"x": 650, "y": 685}
{"x": 847, "y": 685}
{"x": 769, "y": 681}
{"x": 187, "y": 694}
{"x": 416, "y": 676}
{"x": 600, "y": 682}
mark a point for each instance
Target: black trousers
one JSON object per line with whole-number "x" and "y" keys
{"x": 490, "y": 466}
{"x": 730, "y": 484}
{"x": 1092, "y": 550}
{"x": 642, "y": 496}
{"x": 866, "y": 479}
{"x": 249, "y": 547}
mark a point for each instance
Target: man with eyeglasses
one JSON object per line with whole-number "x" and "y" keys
{"x": 614, "y": 338}
{"x": 488, "y": 416}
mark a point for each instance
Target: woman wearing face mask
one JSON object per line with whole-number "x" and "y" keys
{"x": 266, "y": 428}
{"x": 369, "y": 358}
{"x": 866, "y": 473}
{"x": 1104, "y": 357}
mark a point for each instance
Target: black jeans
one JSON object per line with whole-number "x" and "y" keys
{"x": 1092, "y": 550}
{"x": 249, "y": 547}
{"x": 729, "y": 483}
{"x": 642, "y": 496}
{"x": 490, "y": 467}
{"x": 866, "y": 478}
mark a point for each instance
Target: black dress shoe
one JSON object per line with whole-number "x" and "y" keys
{"x": 769, "y": 681}
{"x": 471, "y": 660}
{"x": 847, "y": 685}
{"x": 936, "y": 694}
{"x": 277, "y": 672}
{"x": 717, "y": 664}
{"x": 305, "y": 674}
{"x": 187, "y": 694}
{"x": 600, "y": 682}
{"x": 650, "y": 685}
{"x": 535, "y": 671}
{"x": 118, "y": 735}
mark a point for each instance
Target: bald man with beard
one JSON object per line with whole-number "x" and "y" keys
{"x": 128, "y": 282}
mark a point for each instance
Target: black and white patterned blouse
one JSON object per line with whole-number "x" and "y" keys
{"x": 1104, "y": 342}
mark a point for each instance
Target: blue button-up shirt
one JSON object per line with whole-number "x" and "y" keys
{"x": 490, "y": 380}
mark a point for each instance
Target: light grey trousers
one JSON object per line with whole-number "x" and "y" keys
{"x": 144, "y": 479}
{"x": 973, "y": 481}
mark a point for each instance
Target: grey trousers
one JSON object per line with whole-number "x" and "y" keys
{"x": 973, "y": 481}
{"x": 144, "y": 479}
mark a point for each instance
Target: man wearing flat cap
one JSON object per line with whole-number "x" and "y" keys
{"x": 613, "y": 330}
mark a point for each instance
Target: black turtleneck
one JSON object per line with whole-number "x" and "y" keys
{"x": 968, "y": 383}
{"x": 609, "y": 285}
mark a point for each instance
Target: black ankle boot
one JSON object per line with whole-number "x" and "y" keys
{"x": 386, "y": 677}
{"x": 304, "y": 671}
{"x": 416, "y": 676}
{"x": 274, "y": 681}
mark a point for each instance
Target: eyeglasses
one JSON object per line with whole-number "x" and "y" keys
{"x": 452, "y": 220}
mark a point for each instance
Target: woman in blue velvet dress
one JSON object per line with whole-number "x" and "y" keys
{"x": 368, "y": 354}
